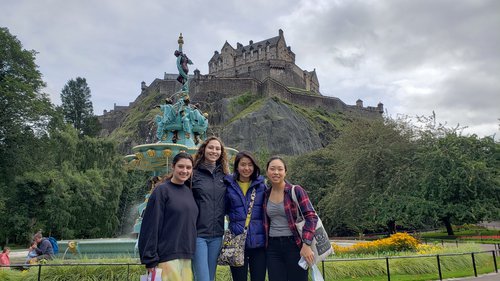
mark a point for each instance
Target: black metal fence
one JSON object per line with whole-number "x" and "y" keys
{"x": 438, "y": 257}
{"x": 459, "y": 241}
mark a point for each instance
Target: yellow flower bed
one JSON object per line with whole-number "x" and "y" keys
{"x": 424, "y": 249}
{"x": 397, "y": 242}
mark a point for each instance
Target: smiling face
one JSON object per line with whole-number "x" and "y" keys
{"x": 213, "y": 151}
{"x": 245, "y": 169}
{"x": 182, "y": 171}
{"x": 276, "y": 172}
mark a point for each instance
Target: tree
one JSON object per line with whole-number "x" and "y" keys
{"x": 22, "y": 105}
{"x": 374, "y": 186}
{"x": 316, "y": 171}
{"x": 459, "y": 177}
{"x": 24, "y": 115}
{"x": 76, "y": 105}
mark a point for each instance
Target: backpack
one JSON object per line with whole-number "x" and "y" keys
{"x": 55, "y": 247}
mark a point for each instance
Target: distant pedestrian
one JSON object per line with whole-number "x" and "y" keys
{"x": 41, "y": 247}
{"x": 4, "y": 258}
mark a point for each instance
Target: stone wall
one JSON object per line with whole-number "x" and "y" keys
{"x": 223, "y": 87}
{"x": 230, "y": 87}
{"x": 209, "y": 89}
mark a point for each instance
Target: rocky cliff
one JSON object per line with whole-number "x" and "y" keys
{"x": 246, "y": 121}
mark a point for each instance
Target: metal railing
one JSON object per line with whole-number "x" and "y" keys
{"x": 437, "y": 256}
{"x": 387, "y": 263}
{"x": 457, "y": 242}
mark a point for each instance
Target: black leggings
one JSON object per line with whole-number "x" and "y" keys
{"x": 256, "y": 260}
{"x": 283, "y": 256}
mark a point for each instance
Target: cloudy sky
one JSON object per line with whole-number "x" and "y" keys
{"x": 415, "y": 57}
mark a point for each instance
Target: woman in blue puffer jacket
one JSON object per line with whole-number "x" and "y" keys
{"x": 240, "y": 185}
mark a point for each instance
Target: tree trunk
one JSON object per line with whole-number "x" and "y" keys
{"x": 447, "y": 224}
{"x": 391, "y": 225}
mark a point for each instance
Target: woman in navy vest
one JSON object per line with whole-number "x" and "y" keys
{"x": 240, "y": 185}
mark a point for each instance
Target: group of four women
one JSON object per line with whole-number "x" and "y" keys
{"x": 184, "y": 218}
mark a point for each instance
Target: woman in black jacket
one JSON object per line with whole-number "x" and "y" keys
{"x": 210, "y": 167}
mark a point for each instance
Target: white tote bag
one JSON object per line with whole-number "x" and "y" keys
{"x": 321, "y": 244}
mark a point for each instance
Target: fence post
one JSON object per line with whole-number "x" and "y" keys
{"x": 387, "y": 265}
{"x": 39, "y": 271}
{"x": 439, "y": 268}
{"x": 323, "y": 267}
{"x": 474, "y": 264}
{"x": 495, "y": 261}
{"x": 442, "y": 242}
{"x": 456, "y": 242}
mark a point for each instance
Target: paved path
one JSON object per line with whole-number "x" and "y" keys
{"x": 486, "y": 277}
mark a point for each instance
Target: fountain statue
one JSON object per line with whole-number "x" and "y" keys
{"x": 181, "y": 126}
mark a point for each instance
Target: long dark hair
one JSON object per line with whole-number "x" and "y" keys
{"x": 239, "y": 156}
{"x": 179, "y": 156}
{"x": 200, "y": 155}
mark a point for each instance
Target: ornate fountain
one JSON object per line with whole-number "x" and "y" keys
{"x": 180, "y": 127}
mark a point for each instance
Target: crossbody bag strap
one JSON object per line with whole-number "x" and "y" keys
{"x": 294, "y": 198}
{"x": 249, "y": 213}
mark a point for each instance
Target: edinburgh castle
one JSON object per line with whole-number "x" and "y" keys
{"x": 266, "y": 69}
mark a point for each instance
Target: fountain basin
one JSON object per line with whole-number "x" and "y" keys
{"x": 98, "y": 248}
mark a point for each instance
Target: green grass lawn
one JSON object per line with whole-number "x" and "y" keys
{"x": 469, "y": 234}
{"x": 414, "y": 269}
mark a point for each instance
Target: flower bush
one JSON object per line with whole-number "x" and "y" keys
{"x": 428, "y": 249}
{"x": 397, "y": 242}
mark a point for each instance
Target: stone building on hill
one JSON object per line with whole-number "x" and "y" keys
{"x": 270, "y": 58}
{"x": 266, "y": 69}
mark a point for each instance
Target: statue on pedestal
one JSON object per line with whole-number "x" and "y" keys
{"x": 181, "y": 122}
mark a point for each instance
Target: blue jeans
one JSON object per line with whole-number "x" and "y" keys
{"x": 205, "y": 258}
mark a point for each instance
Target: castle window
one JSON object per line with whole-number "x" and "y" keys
{"x": 260, "y": 51}
{"x": 244, "y": 56}
{"x": 267, "y": 49}
{"x": 251, "y": 53}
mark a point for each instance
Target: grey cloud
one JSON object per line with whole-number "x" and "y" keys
{"x": 360, "y": 49}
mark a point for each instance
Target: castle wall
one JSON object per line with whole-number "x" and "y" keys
{"x": 286, "y": 75}
{"x": 283, "y": 53}
{"x": 273, "y": 88}
{"x": 111, "y": 120}
{"x": 224, "y": 87}
{"x": 285, "y": 72}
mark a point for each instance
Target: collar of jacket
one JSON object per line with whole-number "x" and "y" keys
{"x": 231, "y": 179}
{"x": 218, "y": 168}
{"x": 288, "y": 188}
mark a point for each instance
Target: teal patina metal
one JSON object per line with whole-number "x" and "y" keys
{"x": 181, "y": 122}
